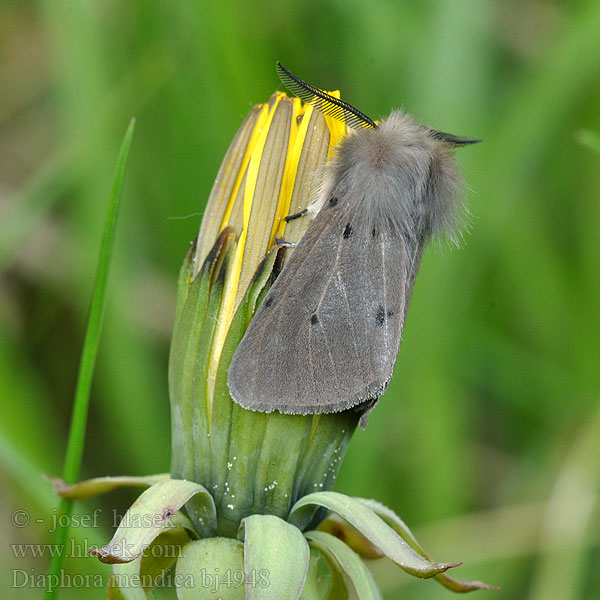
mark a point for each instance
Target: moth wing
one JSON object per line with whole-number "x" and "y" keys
{"x": 326, "y": 336}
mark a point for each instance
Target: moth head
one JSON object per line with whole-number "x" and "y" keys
{"x": 446, "y": 210}
{"x": 405, "y": 174}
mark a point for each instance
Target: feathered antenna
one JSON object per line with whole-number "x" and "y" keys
{"x": 455, "y": 140}
{"x": 327, "y": 104}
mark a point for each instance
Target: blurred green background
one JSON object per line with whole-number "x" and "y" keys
{"x": 488, "y": 440}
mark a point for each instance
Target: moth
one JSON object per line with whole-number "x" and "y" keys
{"x": 326, "y": 336}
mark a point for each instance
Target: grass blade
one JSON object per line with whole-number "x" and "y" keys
{"x": 88, "y": 357}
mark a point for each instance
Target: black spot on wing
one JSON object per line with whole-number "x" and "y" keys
{"x": 314, "y": 319}
{"x": 390, "y": 313}
{"x": 268, "y": 302}
{"x": 348, "y": 231}
{"x": 380, "y": 316}
{"x": 333, "y": 201}
{"x": 374, "y": 232}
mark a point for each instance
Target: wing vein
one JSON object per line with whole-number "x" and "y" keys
{"x": 343, "y": 288}
{"x": 334, "y": 270}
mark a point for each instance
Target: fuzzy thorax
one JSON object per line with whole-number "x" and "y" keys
{"x": 398, "y": 174}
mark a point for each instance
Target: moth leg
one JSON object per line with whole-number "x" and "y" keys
{"x": 282, "y": 242}
{"x": 295, "y": 215}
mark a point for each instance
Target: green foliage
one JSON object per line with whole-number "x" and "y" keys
{"x": 479, "y": 442}
{"x": 75, "y": 443}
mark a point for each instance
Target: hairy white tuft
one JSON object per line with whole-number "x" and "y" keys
{"x": 401, "y": 175}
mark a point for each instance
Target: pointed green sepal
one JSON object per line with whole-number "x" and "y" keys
{"x": 150, "y": 515}
{"x": 371, "y": 526}
{"x": 356, "y": 541}
{"x": 102, "y": 485}
{"x": 337, "y": 554}
{"x": 137, "y": 579}
{"x": 194, "y": 296}
{"x": 390, "y": 517}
